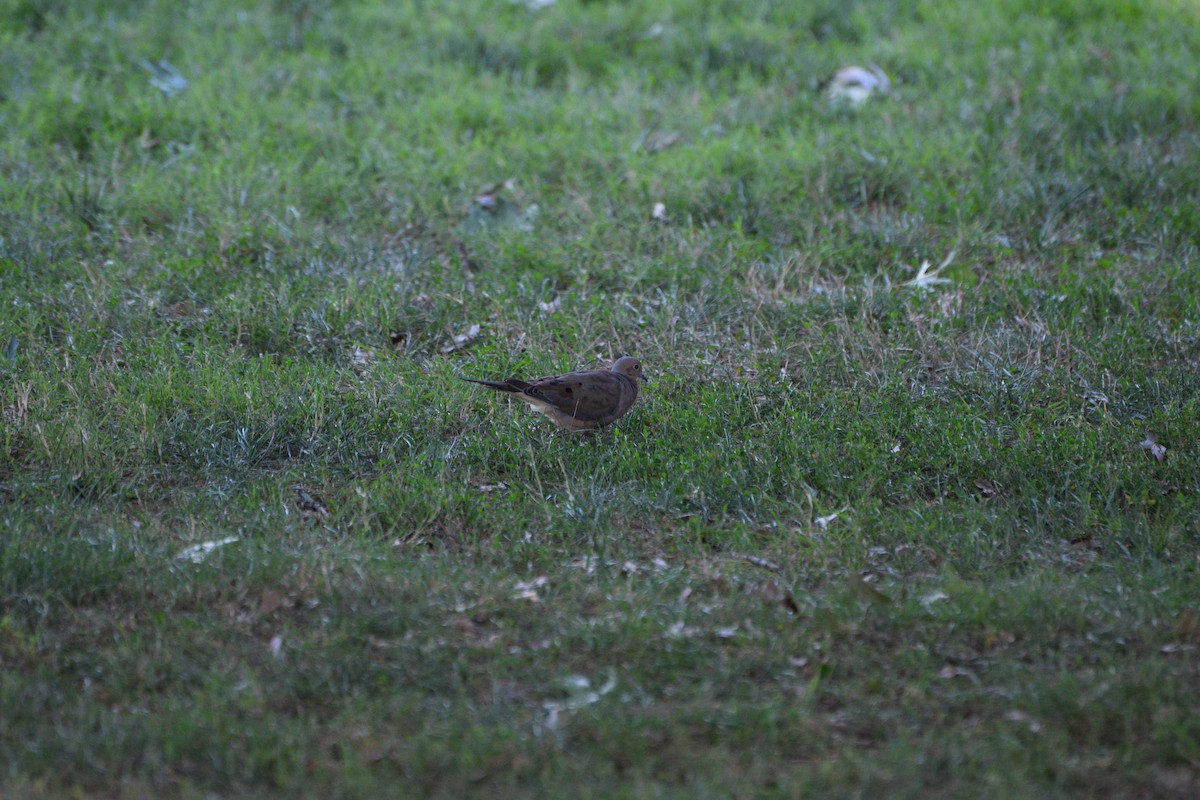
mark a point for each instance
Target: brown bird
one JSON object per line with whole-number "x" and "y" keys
{"x": 579, "y": 401}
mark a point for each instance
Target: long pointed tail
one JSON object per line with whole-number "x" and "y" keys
{"x": 500, "y": 386}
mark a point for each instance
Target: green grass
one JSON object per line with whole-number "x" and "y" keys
{"x": 858, "y": 537}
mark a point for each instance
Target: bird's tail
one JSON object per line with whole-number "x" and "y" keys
{"x": 510, "y": 385}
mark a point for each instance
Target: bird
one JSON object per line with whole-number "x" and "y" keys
{"x": 579, "y": 401}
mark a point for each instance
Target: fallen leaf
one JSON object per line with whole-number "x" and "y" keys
{"x": 1157, "y": 450}
{"x": 537, "y": 583}
{"x": 853, "y": 85}
{"x": 773, "y": 593}
{"x": 165, "y": 77}
{"x": 823, "y": 522}
{"x": 986, "y": 488}
{"x": 950, "y": 671}
{"x": 936, "y": 596}
{"x": 927, "y": 278}
{"x": 489, "y": 199}
{"x": 198, "y": 552}
{"x": 579, "y": 695}
{"x": 868, "y": 590}
{"x": 362, "y": 356}
{"x": 461, "y": 340}
{"x": 756, "y": 561}
{"x": 309, "y": 503}
{"x": 493, "y": 208}
{"x": 657, "y": 141}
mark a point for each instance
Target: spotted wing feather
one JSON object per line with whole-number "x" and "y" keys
{"x": 593, "y": 397}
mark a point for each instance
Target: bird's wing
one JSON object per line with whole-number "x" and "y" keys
{"x": 585, "y": 396}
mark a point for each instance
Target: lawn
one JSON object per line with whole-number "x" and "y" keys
{"x": 909, "y": 508}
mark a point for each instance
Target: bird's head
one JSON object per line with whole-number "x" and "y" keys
{"x": 630, "y": 367}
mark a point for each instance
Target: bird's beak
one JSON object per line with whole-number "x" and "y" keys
{"x": 644, "y": 378}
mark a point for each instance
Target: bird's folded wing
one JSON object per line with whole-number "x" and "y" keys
{"x": 590, "y": 396}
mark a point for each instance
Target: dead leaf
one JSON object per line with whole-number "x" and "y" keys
{"x": 494, "y": 208}
{"x": 657, "y": 141}
{"x": 852, "y": 85}
{"x": 460, "y": 341}
{"x": 198, "y": 552}
{"x": 1157, "y": 450}
{"x": 489, "y": 199}
{"x": 579, "y": 695}
{"x": 927, "y": 278}
{"x": 756, "y": 561}
{"x": 677, "y": 630}
{"x": 401, "y": 342}
{"x": 773, "y": 593}
{"x": 309, "y": 503}
{"x": 165, "y": 77}
{"x": 950, "y": 671}
{"x": 986, "y": 488}
{"x": 823, "y": 522}
{"x": 1095, "y": 400}
{"x": 536, "y": 583}
{"x": 362, "y": 356}
{"x": 527, "y": 590}
{"x": 867, "y": 590}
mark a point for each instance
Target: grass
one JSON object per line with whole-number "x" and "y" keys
{"x": 859, "y": 537}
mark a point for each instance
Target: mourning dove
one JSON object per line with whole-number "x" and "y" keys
{"x": 579, "y": 401}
